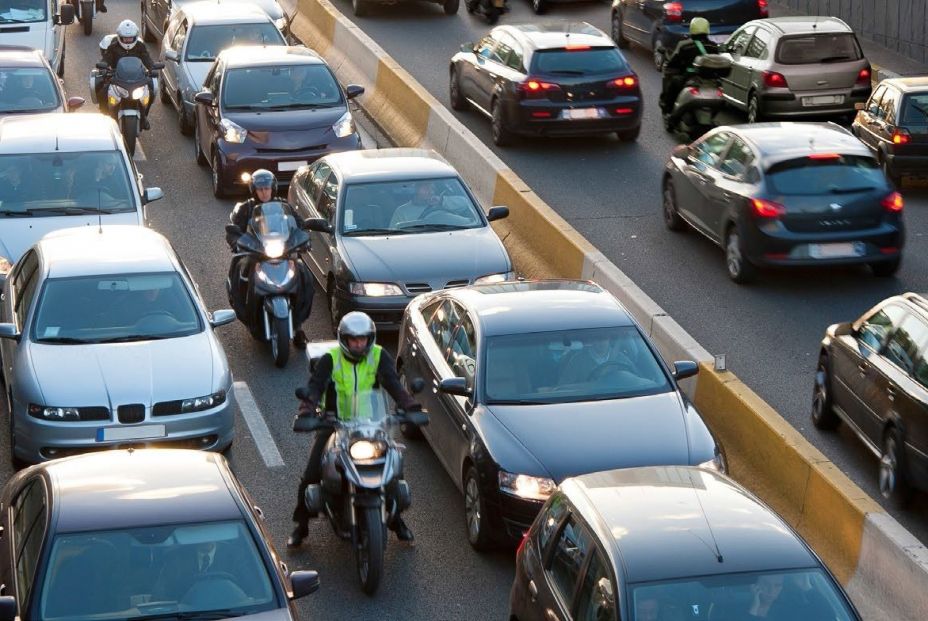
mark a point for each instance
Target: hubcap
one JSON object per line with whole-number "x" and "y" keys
{"x": 752, "y": 110}
{"x": 888, "y": 465}
{"x": 734, "y": 255}
{"x": 472, "y": 509}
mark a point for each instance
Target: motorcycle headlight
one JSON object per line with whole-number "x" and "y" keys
{"x": 717, "y": 463}
{"x": 198, "y": 404}
{"x": 344, "y": 126}
{"x": 118, "y": 91}
{"x": 5, "y": 265}
{"x": 525, "y": 486}
{"x": 274, "y": 248}
{"x": 140, "y": 92}
{"x": 374, "y": 289}
{"x": 232, "y": 132}
{"x": 492, "y": 278}
{"x": 365, "y": 450}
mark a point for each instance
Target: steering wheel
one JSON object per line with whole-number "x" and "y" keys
{"x": 600, "y": 371}
{"x": 310, "y": 92}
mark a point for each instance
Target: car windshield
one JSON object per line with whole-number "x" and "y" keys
{"x": 27, "y": 89}
{"x": 409, "y": 206}
{"x": 581, "y": 61}
{"x": 566, "y": 366}
{"x": 164, "y": 572}
{"x": 798, "y": 595}
{"x": 62, "y": 183}
{"x": 22, "y": 11}
{"x": 114, "y": 309}
{"x": 826, "y": 174}
{"x": 915, "y": 110}
{"x": 205, "y": 42}
{"x": 818, "y": 48}
{"x": 281, "y": 88}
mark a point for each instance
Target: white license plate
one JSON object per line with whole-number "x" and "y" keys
{"x": 136, "y": 432}
{"x": 581, "y": 113}
{"x": 289, "y": 166}
{"x": 721, "y": 38}
{"x": 834, "y": 251}
{"x": 823, "y": 100}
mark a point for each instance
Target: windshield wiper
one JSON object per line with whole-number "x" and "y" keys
{"x": 68, "y": 211}
{"x": 375, "y": 232}
{"x": 63, "y": 340}
{"x": 15, "y": 212}
{"x": 201, "y": 615}
{"x": 865, "y": 188}
{"x": 246, "y": 108}
{"x": 130, "y": 338}
{"x": 519, "y": 402}
{"x": 425, "y": 228}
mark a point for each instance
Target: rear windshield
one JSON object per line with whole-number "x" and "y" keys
{"x": 915, "y": 110}
{"x": 840, "y": 174}
{"x": 819, "y": 48}
{"x": 587, "y": 61}
{"x": 205, "y": 42}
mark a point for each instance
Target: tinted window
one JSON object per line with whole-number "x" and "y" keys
{"x": 710, "y": 150}
{"x": 596, "y": 599}
{"x": 921, "y": 366}
{"x": 877, "y": 94}
{"x": 902, "y": 347}
{"x": 327, "y": 198}
{"x": 441, "y": 325}
{"x": 27, "y": 89}
{"x": 25, "y": 283}
{"x": 737, "y": 160}
{"x": 836, "y": 175}
{"x": 178, "y": 42}
{"x": 569, "y": 553}
{"x": 875, "y": 329}
{"x": 280, "y": 88}
{"x": 739, "y": 42}
{"x": 22, "y": 11}
{"x": 888, "y": 105}
{"x": 29, "y": 516}
{"x": 757, "y": 48}
{"x": 319, "y": 174}
{"x": 205, "y": 42}
{"x": 554, "y": 513}
{"x": 579, "y": 62}
{"x": 915, "y": 110}
{"x": 463, "y": 351}
{"x": 818, "y": 48}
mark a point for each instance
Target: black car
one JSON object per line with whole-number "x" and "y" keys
{"x": 658, "y": 25}
{"x": 140, "y": 533}
{"x": 668, "y": 544}
{"x": 894, "y": 124}
{"x": 785, "y": 194}
{"x": 873, "y": 375}
{"x": 553, "y": 79}
{"x": 536, "y": 381}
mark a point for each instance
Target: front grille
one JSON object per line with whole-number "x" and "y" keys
{"x": 457, "y": 283}
{"x": 315, "y": 147}
{"x": 415, "y": 288}
{"x": 167, "y": 408}
{"x": 132, "y": 413}
{"x": 828, "y": 225}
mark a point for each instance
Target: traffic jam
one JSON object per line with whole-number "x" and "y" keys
{"x": 571, "y": 446}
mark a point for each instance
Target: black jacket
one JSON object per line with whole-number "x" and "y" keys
{"x": 115, "y": 51}
{"x": 686, "y": 52}
{"x": 321, "y": 380}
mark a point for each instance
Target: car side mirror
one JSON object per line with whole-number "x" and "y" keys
{"x": 205, "y": 97}
{"x": 65, "y": 15}
{"x": 7, "y": 602}
{"x": 454, "y": 386}
{"x": 318, "y": 224}
{"x": 498, "y": 213}
{"x": 157, "y": 66}
{"x": 9, "y": 331}
{"x": 150, "y": 195}
{"x": 417, "y": 385}
{"x": 468, "y": 47}
{"x": 101, "y": 65}
{"x": 74, "y": 103}
{"x": 303, "y": 583}
{"x": 171, "y": 55}
{"x": 221, "y": 317}
{"x": 353, "y": 90}
{"x": 683, "y": 369}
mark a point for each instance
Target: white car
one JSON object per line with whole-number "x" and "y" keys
{"x": 36, "y": 24}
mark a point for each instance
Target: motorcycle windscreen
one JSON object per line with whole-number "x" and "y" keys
{"x": 130, "y": 70}
{"x": 272, "y": 225}
{"x": 364, "y": 407}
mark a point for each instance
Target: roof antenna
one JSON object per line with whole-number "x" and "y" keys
{"x": 718, "y": 552}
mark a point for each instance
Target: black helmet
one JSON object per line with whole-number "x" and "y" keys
{"x": 262, "y": 178}
{"x": 356, "y": 324}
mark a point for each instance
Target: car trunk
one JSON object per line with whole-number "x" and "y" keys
{"x": 820, "y": 62}
{"x": 719, "y": 12}
{"x": 914, "y": 120}
{"x": 582, "y": 74}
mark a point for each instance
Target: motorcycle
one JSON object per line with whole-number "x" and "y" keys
{"x": 127, "y": 93}
{"x": 360, "y": 464}
{"x": 85, "y": 11}
{"x": 701, "y": 99}
{"x": 490, "y": 9}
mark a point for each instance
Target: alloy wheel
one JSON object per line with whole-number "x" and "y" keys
{"x": 889, "y": 464}
{"x": 472, "y": 509}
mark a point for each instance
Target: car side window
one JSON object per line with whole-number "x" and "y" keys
{"x": 441, "y": 325}
{"x": 567, "y": 559}
{"x": 170, "y": 32}
{"x": 554, "y": 513}
{"x": 325, "y": 204}
{"x": 874, "y": 330}
{"x": 486, "y": 48}
{"x": 596, "y": 598}
{"x": 316, "y": 179}
{"x": 29, "y": 512}
{"x": 516, "y": 60}
{"x": 888, "y": 106}
{"x": 739, "y": 41}
{"x": 758, "y": 46}
{"x": 25, "y": 285}
{"x": 738, "y": 159}
{"x": 462, "y": 354}
{"x": 505, "y": 49}
{"x": 177, "y": 43}
{"x": 710, "y": 150}
{"x": 921, "y": 366}
{"x": 873, "y": 106}
{"x": 902, "y": 347}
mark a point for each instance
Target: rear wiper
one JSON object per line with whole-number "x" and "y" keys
{"x": 130, "y": 338}
{"x": 834, "y": 59}
{"x": 865, "y": 188}
{"x": 63, "y": 340}
{"x": 375, "y": 232}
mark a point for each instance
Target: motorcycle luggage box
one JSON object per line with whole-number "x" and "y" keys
{"x": 712, "y": 66}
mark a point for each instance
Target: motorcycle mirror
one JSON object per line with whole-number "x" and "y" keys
{"x": 317, "y": 224}
{"x": 101, "y": 64}
{"x": 416, "y": 386}
{"x": 205, "y": 98}
{"x": 170, "y": 55}
{"x": 303, "y": 582}
{"x": 65, "y": 15}
{"x": 74, "y": 103}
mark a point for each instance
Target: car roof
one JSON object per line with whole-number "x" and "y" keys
{"x": 363, "y": 166}
{"x": 20, "y": 56}
{"x": 805, "y": 24}
{"x": 136, "y": 488}
{"x": 264, "y": 55}
{"x": 110, "y": 249}
{"x": 915, "y": 83}
{"x": 557, "y": 34}
{"x": 668, "y": 522}
{"x": 513, "y": 307}
{"x": 780, "y": 141}
{"x": 205, "y": 13}
{"x": 44, "y": 133}
{"x": 919, "y": 300}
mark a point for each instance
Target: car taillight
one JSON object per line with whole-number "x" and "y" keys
{"x": 576, "y": 48}
{"x": 863, "y": 78}
{"x": 901, "y": 136}
{"x": 762, "y": 8}
{"x": 673, "y": 12}
{"x": 772, "y": 79}
{"x": 767, "y": 209}
{"x": 537, "y": 89}
{"x": 893, "y": 203}
{"x": 628, "y": 81}
{"x": 825, "y": 156}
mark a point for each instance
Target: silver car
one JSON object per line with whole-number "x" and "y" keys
{"x": 796, "y": 66}
{"x": 105, "y": 342}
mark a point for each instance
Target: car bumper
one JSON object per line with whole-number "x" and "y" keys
{"x": 237, "y": 159}
{"x": 908, "y": 164}
{"x": 545, "y": 118}
{"x": 778, "y": 246}
{"x": 386, "y": 312}
{"x": 782, "y": 103}
{"x": 511, "y": 517}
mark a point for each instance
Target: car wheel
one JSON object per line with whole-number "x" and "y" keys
{"x": 410, "y": 432}
{"x": 334, "y": 311}
{"x": 740, "y": 269}
{"x": 163, "y": 92}
{"x": 451, "y": 6}
{"x": 475, "y": 516}
{"x": 886, "y": 269}
{"x": 197, "y": 152}
{"x": 539, "y": 6}
{"x": 501, "y": 136}
{"x": 454, "y": 92}
{"x": 147, "y": 34}
{"x": 219, "y": 180}
{"x": 60, "y": 71}
{"x": 359, "y": 8}
{"x": 753, "y": 108}
{"x": 629, "y": 135}
{"x": 672, "y": 219}
{"x": 893, "y": 486}
{"x": 823, "y": 414}
{"x": 618, "y": 31}
{"x": 183, "y": 121}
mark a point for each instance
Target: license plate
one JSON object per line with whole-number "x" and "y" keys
{"x": 834, "y": 251}
{"x": 289, "y": 166}
{"x": 823, "y": 100}
{"x": 581, "y": 113}
{"x": 721, "y": 38}
{"x": 137, "y": 432}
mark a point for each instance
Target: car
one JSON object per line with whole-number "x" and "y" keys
{"x": 49, "y": 169}
{"x": 795, "y": 67}
{"x": 105, "y": 341}
{"x": 658, "y": 26}
{"x": 536, "y": 381}
{"x": 40, "y": 26}
{"x": 28, "y": 85}
{"x": 872, "y": 374}
{"x": 668, "y": 543}
{"x": 785, "y": 194}
{"x": 272, "y": 107}
{"x": 196, "y": 34}
{"x": 383, "y": 246}
{"x": 894, "y": 125}
{"x": 360, "y": 8}
{"x": 156, "y": 14}
{"x": 552, "y": 79}
{"x": 167, "y": 534}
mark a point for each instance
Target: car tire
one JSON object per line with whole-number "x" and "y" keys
{"x": 183, "y": 121}
{"x": 475, "y": 513}
{"x": 618, "y": 31}
{"x": 754, "y": 114}
{"x": 147, "y": 34}
{"x": 458, "y": 102}
{"x": 629, "y": 135}
{"x": 163, "y": 93}
{"x": 197, "y": 152}
{"x": 539, "y": 6}
{"x": 740, "y": 270}
{"x": 501, "y": 135}
{"x": 359, "y": 8}
{"x": 886, "y": 269}
{"x": 64, "y": 49}
{"x": 823, "y": 413}
{"x": 334, "y": 311}
{"x": 219, "y": 178}
{"x": 451, "y": 6}
{"x": 893, "y": 485}
{"x": 672, "y": 219}
{"x": 410, "y": 432}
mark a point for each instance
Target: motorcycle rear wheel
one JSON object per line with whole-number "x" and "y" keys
{"x": 370, "y": 549}
{"x": 130, "y": 130}
{"x": 280, "y": 343}
{"x": 87, "y": 22}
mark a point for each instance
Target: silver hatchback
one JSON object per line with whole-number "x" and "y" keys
{"x": 792, "y": 67}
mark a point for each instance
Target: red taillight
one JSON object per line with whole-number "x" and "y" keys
{"x": 825, "y": 156}
{"x": 624, "y": 110}
{"x": 767, "y": 209}
{"x": 628, "y": 81}
{"x": 772, "y": 79}
{"x": 541, "y": 114}
{"x": 576, "y": 48}
{"x": 537, "y": 89}
{"x": 864, "y": 76}
{"x": 901, "y": 136}
{"x": 673, "y": 12}
{"x": 762, "y": 8}
{"x": 893, "y": 203}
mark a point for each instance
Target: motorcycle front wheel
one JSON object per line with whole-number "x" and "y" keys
{"x": 130, "y": 131}
{"x": 87, "y": 18}
{"x": 280, "y": 343}
{"x": 370, "y": 548}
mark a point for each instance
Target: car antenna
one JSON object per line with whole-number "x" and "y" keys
{"x": 702, "y": 510}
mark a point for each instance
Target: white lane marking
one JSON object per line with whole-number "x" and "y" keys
{"x": 139, "y": 153}
{"x": 257, "y": 425}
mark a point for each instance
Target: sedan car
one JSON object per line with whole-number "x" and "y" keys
{"x": 785, "y": 194}
{"x": 28, "y": 84}
{"x": 196, "y": 34}
{"x": 156, "y": 14}
{"x": 873, "y": 375}
{"x": 534, "y": 382}
{"x": 668, "y": 544}
{"x": 894, "y": 124}
{"x": 106, "y": 343}
{"x": 796, "y": 67}
{"x": 270, "y": 107}
{"x": 548, "y": 79}
{"x": 140, "y": 534}
{"x": 401, "y": 222}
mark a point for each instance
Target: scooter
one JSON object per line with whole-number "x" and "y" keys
{"x": 127, "y": 93}
{"x": 701, "y": 99}
{"x": 490, "y": 9}
{"x": 85, "y": 11}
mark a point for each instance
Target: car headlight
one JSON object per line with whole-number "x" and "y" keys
{"x": 54, "y": 413}
{"x": 374, "y": 289}
{"x": 139, "y": 93}
{"x": 492, "y": 278}
{"x": 232, "y": 132}
{"x": 717, "y": 463}
{"x": 5, "y": 265}
{"x": 274, "y": 248}
{"x": 525, "y": 486}
{"x": 344, "y": 126}
{"x": 198, "y": 404}
{"x": 365, "y": 450}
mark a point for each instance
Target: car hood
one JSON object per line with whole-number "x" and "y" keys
{"x": 294, "y": 129}
{"x": 17, "y": 235}
{"x": 433, "y": 258}
{"x": 121, "y": 373}
{"x": 570, "y": 439}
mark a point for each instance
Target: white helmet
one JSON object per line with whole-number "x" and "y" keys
{"x": 128, "y": 33}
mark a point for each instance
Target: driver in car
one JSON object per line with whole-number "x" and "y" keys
{"x": 425, "y": 199}
{"x": 583, "y": 365}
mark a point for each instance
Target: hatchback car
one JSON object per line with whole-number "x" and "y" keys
{"x": 785, "y": 194}
{"x": 29, "y": 86}
{"x": 533, "y": 382}
{"x": 549, "y": 79}
{"x": 156, "y": 14}
{"x": 270, "y": 107}
{"x": 140, "y": 534}
{"x": 106, "y": 342}
{"x": 894, "y": 124}
{"x": 196, "y": 34}
{"x": 873, "y": 375}
{"x": 668, "y": 544}
{"x": 796, "y": 67}
{"x": 401, "y": 222}
{"x": 658, "y": 25}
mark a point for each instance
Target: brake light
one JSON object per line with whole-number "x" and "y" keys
{"x": 825, "y": 156}
{"x": 767, "y": 209}
{"x": 772, "y": 79}
{"x": 537, "y": 89}
{"x": 673, "y": 12}
{"x": 624, "y": 110}
{"x": 762, "y": 8}
{"x": 864, "y": 76}
{"x": 901, "y": 136}
{"x": 628, "y": 81}
{"x": 893, "y": 203}
{"x": 576, "y": 48}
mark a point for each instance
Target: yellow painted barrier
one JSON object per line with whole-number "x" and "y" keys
{"x": 400, "y": 104}
{"x": 314, "y": 24}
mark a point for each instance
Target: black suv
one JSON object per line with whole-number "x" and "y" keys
{"x": 873, "y": 375}
{"x": 658, "y": 25}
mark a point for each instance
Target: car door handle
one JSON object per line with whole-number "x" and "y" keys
{"x": 533, "y": 590}
{"x": 862, "y": 367}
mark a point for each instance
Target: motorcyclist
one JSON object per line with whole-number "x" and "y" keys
{"x": 679, "y": 66}
{"x": 263, "y": 189}
{"x": 358, "y": 364}
{"x": 126, "y": 42}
